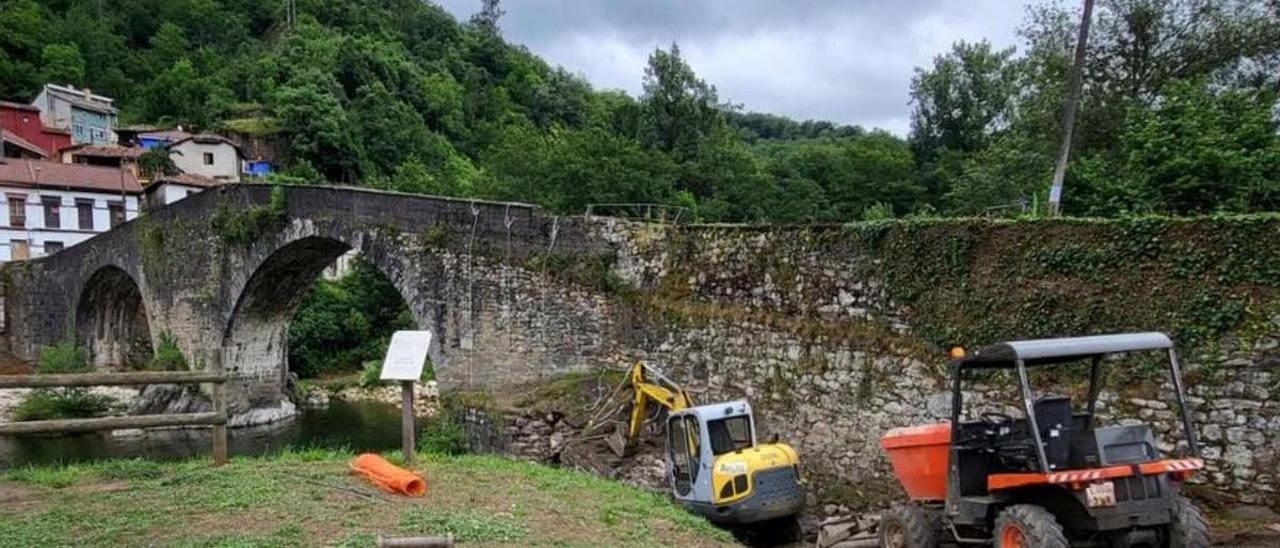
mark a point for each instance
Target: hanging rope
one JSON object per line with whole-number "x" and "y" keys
{"x": 505, "y": 288}
{"x": 471, "y": 295}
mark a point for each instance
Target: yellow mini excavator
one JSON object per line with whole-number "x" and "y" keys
{"x": 716, "y": 466}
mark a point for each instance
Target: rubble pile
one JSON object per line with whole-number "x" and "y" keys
{"x": 848, "y": 531}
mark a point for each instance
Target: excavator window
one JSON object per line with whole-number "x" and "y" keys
{"x": 729, "y": 435}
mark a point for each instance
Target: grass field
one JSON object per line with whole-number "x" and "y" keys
{"x": 306, "y": 498}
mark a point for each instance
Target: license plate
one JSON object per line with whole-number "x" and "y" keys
{"x": 1100, "y": 494}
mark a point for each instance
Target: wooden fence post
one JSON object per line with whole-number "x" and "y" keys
{"x": 220, "y": 429}
{"x": 406, "y": 422}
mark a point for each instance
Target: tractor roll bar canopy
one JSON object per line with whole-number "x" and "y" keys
{"x": 1049, "y": 351}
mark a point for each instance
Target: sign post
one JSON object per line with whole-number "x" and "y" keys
{"x": 406, "y": 356}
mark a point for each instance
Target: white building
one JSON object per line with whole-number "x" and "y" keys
{"x": 50, "y": 206}
{"x": 168, "y": 189}
{"x": 213, "y": 156}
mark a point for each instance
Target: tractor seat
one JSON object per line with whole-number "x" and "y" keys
{"x": 1053, "y": 417}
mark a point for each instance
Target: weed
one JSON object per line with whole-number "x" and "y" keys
{"x": 246, "y": 226}
{"x": 130, "y": 469}
{"x": 370, "y": 374}
{"x": 167, "y": 356}
{"x": 65, "y": 357}
{"x": 443, "y": 435}
{"x": 61, "y": 403}
{"x": 465, "y": 525}
{"x": 56, "y": 477}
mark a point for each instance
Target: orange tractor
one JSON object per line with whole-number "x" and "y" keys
{"x": 1051, "y": 477}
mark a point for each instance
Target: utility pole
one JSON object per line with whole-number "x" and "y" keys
{"x": 290, "y": 12}
{"x": 1069, "y": 114}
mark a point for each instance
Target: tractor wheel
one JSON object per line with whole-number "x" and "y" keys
{"x": 1187, "y": 529}
{"x": 908, "y": 526}
{"x": 1028, "y": 526}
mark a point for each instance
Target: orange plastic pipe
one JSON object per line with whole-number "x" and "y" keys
{"x": 389, "y": 477}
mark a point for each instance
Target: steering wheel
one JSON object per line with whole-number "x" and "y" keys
{"x": 996, "y": 419}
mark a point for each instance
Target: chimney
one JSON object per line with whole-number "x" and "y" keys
{"x": 88, "y": 94}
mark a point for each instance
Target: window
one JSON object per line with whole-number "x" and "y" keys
{"x": 115, "y": 211}
{"x": 51, "y": 247}
{"x": 208, "y": 158}
{"x": 19, "y": 250}
{"x": 729, "y": 435}
{"x": 84, "y": 211}
{"x": 17, "y": 210}
{"x": 52, "y": 211}
{"x": 678, "y": 447}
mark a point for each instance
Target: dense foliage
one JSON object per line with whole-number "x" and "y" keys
{"x": 1177, "y": 114}
{"x": 344, "y": 323}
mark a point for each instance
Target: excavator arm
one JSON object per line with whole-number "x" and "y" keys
{"x": 664, "y": 392}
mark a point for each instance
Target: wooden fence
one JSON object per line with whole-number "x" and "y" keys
{"x": 217, "y": 419}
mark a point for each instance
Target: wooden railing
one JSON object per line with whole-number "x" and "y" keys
{"x": 217, "y": 419}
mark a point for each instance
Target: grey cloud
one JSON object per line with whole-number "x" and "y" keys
{"x": 848, "y": 61}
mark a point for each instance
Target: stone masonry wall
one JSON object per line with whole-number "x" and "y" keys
{"x": 807, "y": 323}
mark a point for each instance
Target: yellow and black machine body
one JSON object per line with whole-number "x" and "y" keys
{"x": 715, "y": 464}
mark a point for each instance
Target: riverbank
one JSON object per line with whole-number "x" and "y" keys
{"x": 306, "y": 498}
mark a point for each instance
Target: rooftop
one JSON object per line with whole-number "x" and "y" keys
{"x": 37, "y": 173}
{"x": 186, "y": 179}
{"x": 105, "y": 151}
{"x": 18, "y": 106}
{"x": 165, "y": 135}
{"x": 82, "y": 98}
{"x": 14, "y": 139}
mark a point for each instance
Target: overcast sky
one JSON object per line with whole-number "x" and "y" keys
{"x": 848, "y": 61}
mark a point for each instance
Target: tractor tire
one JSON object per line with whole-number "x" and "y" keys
{"x": 1028, "y": 526}
{"x": 1188, "y": 529}
{"x": 908, "y": 526}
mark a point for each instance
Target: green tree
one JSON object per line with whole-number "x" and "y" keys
{"x": 62, "y": 63}
{"x": 962, "y": 100}
{"x": 341, "y": 324}
{"x": 317, "y": 126}
{"x": 22, "y": 37}
{"x": 677, "y": 110}
{"x": 1197, "y": 150}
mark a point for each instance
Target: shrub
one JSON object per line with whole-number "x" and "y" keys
{"x": 65, "y": 357}
{"x": 370, "y": 373}
{"x": 167, "y": 357}
{"x": 443, "y": 435}
{"x": 61, "y": 403}
{"x": 247, "y": 225}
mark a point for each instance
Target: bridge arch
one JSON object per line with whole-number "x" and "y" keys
{"x": 255, "y": 339}
{"x": 111, "y": 320}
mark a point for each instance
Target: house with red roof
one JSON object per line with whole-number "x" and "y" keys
{"x": 25, "y": 135}
{"x": 50, "y": 206}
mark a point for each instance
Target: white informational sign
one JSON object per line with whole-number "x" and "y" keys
{"x": 406, "y": 355}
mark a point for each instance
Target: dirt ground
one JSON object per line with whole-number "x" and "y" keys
{"x": 11, "y": 365}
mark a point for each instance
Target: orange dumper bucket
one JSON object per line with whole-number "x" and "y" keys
{"x": 919, "y": 457}
{"x": 391, "y": 478}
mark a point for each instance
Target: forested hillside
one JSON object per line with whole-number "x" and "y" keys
{"x": 1178, "y": 114}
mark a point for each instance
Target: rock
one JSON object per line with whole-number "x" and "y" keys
{"x": 316, "y": 398}
{"x": 831, "y": 534}
{"x": 264, "y": 415}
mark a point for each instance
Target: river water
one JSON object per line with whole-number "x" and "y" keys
{"x": 358, "y": 426}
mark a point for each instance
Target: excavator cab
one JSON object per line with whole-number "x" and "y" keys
{"x": 718, "y": 469}
{"x": 716, "y": 466}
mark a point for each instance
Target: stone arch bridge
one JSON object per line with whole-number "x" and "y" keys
{"x": 221, "y": 273}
